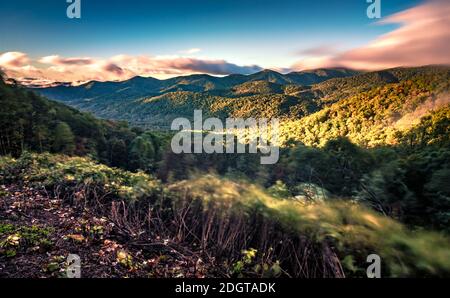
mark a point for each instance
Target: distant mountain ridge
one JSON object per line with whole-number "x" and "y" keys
{"x": 139, "y": 87}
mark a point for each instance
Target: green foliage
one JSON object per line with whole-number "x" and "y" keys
{"x": 248, "y": 266}
{"x": 147, "y": 150}
{"x": 385, "y": 95}
{"x": 64, "y": 139}
{"x": 279, "y": 190}
{"x": 412, "y": 188}
{"x": 78, "y": 174}
{"x": 14, "y": 239}
{"x": 349, "y": 227}
{"x": 125, "y": 259}
{"x": 370, "y": 118}
{"x": 30, "y": 122}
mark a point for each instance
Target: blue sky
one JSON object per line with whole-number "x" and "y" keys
{"x": 238, "y": 30}
{"x": 266, "y": 33}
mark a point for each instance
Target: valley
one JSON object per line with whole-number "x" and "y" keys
{"x": 153, "y": 103}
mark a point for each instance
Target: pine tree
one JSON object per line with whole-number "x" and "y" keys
{"x": 64, "y": 141}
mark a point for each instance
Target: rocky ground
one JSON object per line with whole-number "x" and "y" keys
{"x": 38, "y": 232}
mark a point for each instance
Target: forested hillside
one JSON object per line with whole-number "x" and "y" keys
{"x": 31, "y": 122}
{"x": 153, "y": 103}
{"x": 376, "y": 113}
{"x": 150, "y": 103}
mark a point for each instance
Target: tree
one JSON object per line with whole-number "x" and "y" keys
{"x": 64, "y": 141}
{"x": 141, "y": 154}
{"x": 118, "y": 155}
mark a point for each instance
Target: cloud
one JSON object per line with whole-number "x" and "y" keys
{"x": 414, "y": 117}
{"x": 218, "y": 67}
{"x": 75, "y": 69}
{"x": 321, "y": 50}
{"x": 191, "y": 51}
{"x": 180, "y": 65}
{"x": 57, "y": 60}
{"x": 13, "y": 60}
{"x": 422, "y": 38}
{"x": 316, "y": 62}
{"x": 113, "y": 68}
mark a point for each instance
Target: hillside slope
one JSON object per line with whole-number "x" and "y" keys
{"x": 201, "y": 227}
{"x": 29, "y": 122}
{"x": 371, "y": 109}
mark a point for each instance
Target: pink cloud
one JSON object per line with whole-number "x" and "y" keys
{"x": 113, "y": 68}
{"x": 180, "y": 65}
{"x": 57, "y": 60}
{"x": 321, "y": 50}
{"x": 120, "y": 67}
{"x": 422, "y": 38}
{"x": 218, "y": 67}
{"x": 13, "y": 59}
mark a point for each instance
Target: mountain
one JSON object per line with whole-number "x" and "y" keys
{"x": 130, "y": 100}
{"x": 270, "y": 76}
{"x": 131, "y": 88}
{"x": 310, "y": 77}
{"x": 139, "y": 87}
{"x": 307, "y": 77}
{"x": 256, "y": 87}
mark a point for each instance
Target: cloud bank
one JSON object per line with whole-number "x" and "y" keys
{"x": 80, "y": 69}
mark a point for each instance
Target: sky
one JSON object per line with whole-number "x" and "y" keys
{"x": 119, "y": 39}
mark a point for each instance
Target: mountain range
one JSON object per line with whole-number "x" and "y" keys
{"x": 146, "y": 86}
{"x": 153, "y": 103}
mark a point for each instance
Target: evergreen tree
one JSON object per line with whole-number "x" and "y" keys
{"x": 64, "y": 139}
{"x": 141, "y": 154}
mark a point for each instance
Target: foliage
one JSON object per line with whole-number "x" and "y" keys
{"x": 349, "y": 228}
{"x": 64, "y": 139}
{"x": 14, "y": 239}
{"x": 78, "y": 175}
{"x": 369, "y": 118}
